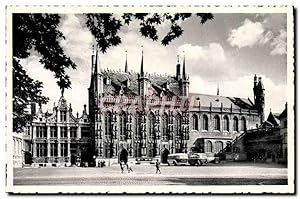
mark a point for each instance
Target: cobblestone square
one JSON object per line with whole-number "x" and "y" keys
{"x": 211, "y": 174}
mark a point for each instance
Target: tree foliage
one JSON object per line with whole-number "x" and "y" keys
{"x": 40, "y": 33}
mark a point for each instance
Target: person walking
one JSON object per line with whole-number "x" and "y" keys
{"x": 122, "y": 166}
{"x": 129, "y": 167}
{"x": 157, "y": 165}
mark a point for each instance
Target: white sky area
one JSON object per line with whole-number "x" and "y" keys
{"x": 227, "y": 50}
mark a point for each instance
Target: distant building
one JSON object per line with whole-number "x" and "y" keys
{"x": 268, "y": 143}
{"x": 142, "y": 115}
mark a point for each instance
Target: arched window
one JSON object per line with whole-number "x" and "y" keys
{"x": 208, "y": 148}
{"x": 178, "y": 126}
{"x": 165, "y": 126}
{"x": 122, "y": 126}
{"x": 235, "y": 124}
{"x": 194, "y": 122}
{"x": 243, "y": 124}
{"x": 108, "y": 129}
{"x": 225, "y": 123}
{"x": 217, "y": 123}
{"x": 228, "y": 147}
{"x": 218, "y": 146}
{"x": 151, "y": 126}
{"x": 205, "y": 122}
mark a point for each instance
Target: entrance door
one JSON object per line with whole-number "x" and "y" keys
{"x": 73, "y": 159}
{"x": 164, "y": 156}
{"x": 27, "y": 157}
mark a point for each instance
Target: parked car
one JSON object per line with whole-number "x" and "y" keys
{"x": 197, "y": 159}
{"x": 178, "y": 159}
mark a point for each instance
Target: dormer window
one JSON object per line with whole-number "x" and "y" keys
{"x": 107, "y": 81}
{"x": 63, "y": 116}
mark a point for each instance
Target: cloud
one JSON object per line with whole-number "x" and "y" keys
{"x": 279, "y": 44}
{"x": 209, "y": 60}
{"x": 252, "y": 33}
{"x": 248, "y": 34}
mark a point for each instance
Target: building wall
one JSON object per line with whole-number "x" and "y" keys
{"x": 18, "y": 150}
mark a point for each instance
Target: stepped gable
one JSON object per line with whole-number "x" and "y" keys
{"x": 216, "y": 101}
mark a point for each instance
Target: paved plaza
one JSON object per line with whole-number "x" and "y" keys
{"x": 211, "y": 174}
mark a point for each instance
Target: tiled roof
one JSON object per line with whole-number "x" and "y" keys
{"x": 216, "y": 101}
{"x": 119, "y": 79}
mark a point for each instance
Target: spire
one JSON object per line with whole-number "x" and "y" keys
{"x": 97, "y": 63}
{"x": 183, "y": 68}
{"x": 218, "y": 92}
{"x": 126, "y": 66}
{"x": 142, "y": 63}
{"x": 178, "y": 75}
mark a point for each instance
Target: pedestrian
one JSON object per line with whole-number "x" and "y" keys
{"x": 129, "y": 167}
{"x": 157, "y": 164}
{"x": 122, "y": 166}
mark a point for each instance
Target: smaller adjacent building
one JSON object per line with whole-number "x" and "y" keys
{"x": 58, "y": 138}
{"x": 268, "y": 143}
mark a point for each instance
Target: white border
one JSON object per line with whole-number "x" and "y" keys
{"x": 161, "y": 189}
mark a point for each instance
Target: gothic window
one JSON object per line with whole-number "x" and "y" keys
{"x": 41, "y": 149}
{"x": 208, "y": 147}
{"x": 53, "y": 131}
{"x": 194, "y": 122}
{"x": 217, "y": 123}
{"x": 122, "y": 126}
{"x": 225, "y": 123}
{"x": 85, "y": 131}
{"x": 243, "y": 124}
{"x": 53, "y": 149}
{"x": 73, "y": 132}
{"x": 108, "y": 118}
{"x": 178, "y": 126}
{"x": 63, "y": 149}
{"x": 218, "y": 146}
{"x": 205, "y": 122}
{"x": 235, "y": 124}
{"x": 41, "y": 132}
{"x": 151, "y": 126}
{"x": 63, "y": 132}
{"x": 164, "y": 126}
{"x": 63, "y": 116}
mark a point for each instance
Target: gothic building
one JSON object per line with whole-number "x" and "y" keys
{"x": 145, "y": 115}
{"x": 152, "y": 115}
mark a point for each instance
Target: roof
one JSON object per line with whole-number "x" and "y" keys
{"x": 158, "y": 83}
{"x": 273, "y": 119}
{"x": 217, "y": 101}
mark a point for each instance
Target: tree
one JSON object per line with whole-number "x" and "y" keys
{"x": 40, "y": 33}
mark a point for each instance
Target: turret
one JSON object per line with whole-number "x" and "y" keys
{"x": 259, "y": 96}
{"x": 126, "y": 65}
{"x": 178, "y": 75}
{"x": 143, "y": 81}
{"x": 185, "y": 81}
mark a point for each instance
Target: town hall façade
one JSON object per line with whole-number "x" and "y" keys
{"x": 144, "y": 115}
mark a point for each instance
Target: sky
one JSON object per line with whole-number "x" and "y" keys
{"x": 226, "y": 51}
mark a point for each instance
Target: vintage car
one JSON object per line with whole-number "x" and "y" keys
{"x": 197, "y": 159}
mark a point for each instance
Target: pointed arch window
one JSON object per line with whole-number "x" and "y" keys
{"x": 205, "y": 122}
{"x": 165, "y": 126}
{"x": 225, "y": 123}
{"x": 243, "y": 124}
{"x": 194, "y": 122}
{"x": 208, "y": 148}
{"x": 122, "y": 126}
{"x": 151, "y": 126}
{"x": 217, "y": 123}
{"x": 218, "y": 146}
{"x": 108, "y": 126}
{"x": 235, "y": 124}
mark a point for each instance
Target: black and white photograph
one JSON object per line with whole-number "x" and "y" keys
{"x": 150, "y": 99}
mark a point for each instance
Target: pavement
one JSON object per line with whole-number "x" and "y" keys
{"x": 229, "y": 173}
